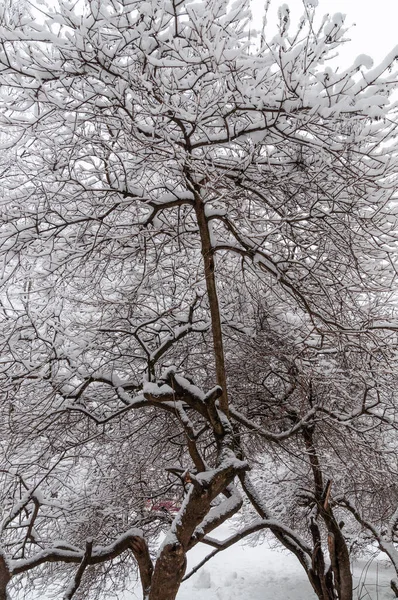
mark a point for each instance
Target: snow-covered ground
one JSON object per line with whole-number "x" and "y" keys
{"x": 244, "y": 572}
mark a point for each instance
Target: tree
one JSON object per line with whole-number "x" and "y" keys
{"x": 343, "y": 454}
{"x": 169, "y": 194}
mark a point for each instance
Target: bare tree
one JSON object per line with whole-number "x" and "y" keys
{"x": 159, "y": 176}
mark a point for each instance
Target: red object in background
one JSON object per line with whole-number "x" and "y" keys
{"x": 171, "y": 506}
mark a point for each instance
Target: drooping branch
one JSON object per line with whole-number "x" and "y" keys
{"x": 259, "y": 525}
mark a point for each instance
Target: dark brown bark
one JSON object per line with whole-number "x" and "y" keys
{"x": 171, "y": 564}
{"x": 339, "y": 556}
{"x": 314, "y": 460}
{"x": 168, "y": 574}
{"x": 321, "y": 579}
{"x": 211, "y": 286}
{"x": 140, "y": 550}
{"x": 5, "y": 577}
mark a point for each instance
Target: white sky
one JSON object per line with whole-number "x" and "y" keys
{"x": 376, "y": 23}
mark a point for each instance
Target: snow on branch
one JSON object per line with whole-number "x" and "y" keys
{"x": 98, "y": 554}
{"x": 218, "y": 515}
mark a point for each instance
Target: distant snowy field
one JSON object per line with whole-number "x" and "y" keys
{"x": 260, "y": 573}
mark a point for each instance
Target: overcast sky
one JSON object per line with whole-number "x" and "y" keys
{"x": 376, "y": 23}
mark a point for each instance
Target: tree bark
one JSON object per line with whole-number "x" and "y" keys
{"x": 5, "y": 577}
{"x": 168, "y": 574}
{"x": 211, "y": 287}
{"x": 340, "y": 558}
{"x": 341, "y": 582}
{"x": 141, "y": 553}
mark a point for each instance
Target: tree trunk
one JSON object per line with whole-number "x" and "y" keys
{"x": 340, "y": 559}
{"x": 341, "y": 582}
{"x": 4, "y": 578}
{"x": 168, "y": 573}
{"x": 211, "y": 286}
